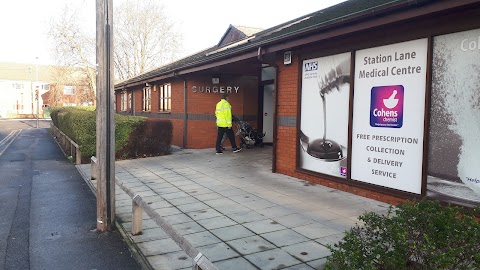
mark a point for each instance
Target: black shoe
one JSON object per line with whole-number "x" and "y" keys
{"x": 236, "y": 150}
{"x": 219, "y": 153}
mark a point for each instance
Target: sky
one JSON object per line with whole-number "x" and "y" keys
{"x": 24, "y": 23}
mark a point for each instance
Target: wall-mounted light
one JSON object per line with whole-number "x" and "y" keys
{"x": 287, "y": 57}
{"x": 215, "y": 80}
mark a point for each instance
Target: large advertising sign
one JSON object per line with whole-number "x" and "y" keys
{"x": 454, "y": 135}
{"x": 388, "y": 115}
{"x": 324, "y": 114}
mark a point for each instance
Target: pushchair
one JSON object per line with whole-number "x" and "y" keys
{"x": 249, "y": 136}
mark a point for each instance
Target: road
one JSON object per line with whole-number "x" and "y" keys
{"x": 47, "y": 212}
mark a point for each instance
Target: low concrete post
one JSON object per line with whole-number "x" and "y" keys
{"x": 94, "y": 168}
{"x": 136, "y": 218}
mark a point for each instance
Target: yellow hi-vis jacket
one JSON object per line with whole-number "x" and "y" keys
{"x": 223, "y": 112}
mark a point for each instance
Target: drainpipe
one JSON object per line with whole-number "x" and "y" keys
{"x": 275, "y": 93}
{"x": 184, "y": 114}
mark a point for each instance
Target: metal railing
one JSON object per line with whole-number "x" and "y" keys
{"x": 139, "y": 205}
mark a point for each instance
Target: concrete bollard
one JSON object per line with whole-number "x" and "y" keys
{"x": 94, "y": 167}
{"x": 136, "y": 218}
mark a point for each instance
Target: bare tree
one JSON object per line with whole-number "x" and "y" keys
{"x": 73, "y": 79}
{"x": 144, "y": 38}
{"x": 73, "y": 47}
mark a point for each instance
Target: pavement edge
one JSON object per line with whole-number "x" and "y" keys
{"x": 132, "y": 246}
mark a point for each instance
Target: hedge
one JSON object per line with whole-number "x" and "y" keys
{"x": 135, "y": 136}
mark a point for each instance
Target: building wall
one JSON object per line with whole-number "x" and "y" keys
{"x": 201, "y": 130}
{"x": 287, "y": 138}
{"x": 201, "y": 127}
{"x": 18, "y": 97}
{"x": 289, "y": 89}
{"x": 287, "y": 107}
{"x": 202, "y": 97}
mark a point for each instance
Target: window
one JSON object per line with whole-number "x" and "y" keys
{"x": 18, "y": 86}
{"x": 146, "y": 99}
{"x": 130, "y": 104}
{"x": 165, "y": 98}
{"x": 69, "y": 90}
{"x": 124, "y": 100}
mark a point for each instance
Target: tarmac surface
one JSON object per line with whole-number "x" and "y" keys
{"x": 47, "y": 211}
{"x": 233, "y": 209}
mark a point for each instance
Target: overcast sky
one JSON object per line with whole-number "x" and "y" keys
{"x": 24, "y": 23}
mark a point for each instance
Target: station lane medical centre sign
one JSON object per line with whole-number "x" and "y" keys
{"x": 388, "y": 115}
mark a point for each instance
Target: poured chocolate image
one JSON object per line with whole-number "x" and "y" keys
{"x": 324, "y": 115}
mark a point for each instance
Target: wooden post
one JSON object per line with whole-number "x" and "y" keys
{"x": 105, "y": 117}
{"x": 137, "y": 215}
{"x": 78, "y": 156}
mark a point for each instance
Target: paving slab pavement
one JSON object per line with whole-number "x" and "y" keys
{"x": 234, "y": 210}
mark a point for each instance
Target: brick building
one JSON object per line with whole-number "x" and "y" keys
{"x": 56, "y": 85}
{"x": 363, "y": 96}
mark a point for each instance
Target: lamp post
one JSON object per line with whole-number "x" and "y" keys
{"x": 36, "y": 88}
{"x": 31, "y": 87}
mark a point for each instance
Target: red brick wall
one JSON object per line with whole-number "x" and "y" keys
{"x": 201, "y": 127}
{"x": 177, "y": 108}
{"x": 177, "y": 97}
{"x": 243, "y": 103}
{"x": 203, "y": 133}
{"x": 288, "y": 91}
{"x": 118, "y": 100}
{"x": 137, "y": 97}
{"x": 177, "y": 138}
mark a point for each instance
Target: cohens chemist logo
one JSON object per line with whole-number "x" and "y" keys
{"x": 311, "y": 66}
{"x": 386, "y": 106}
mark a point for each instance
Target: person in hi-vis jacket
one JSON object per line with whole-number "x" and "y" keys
{"x": 223, "y": 113}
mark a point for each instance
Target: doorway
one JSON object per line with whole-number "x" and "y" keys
{"x": 268, "y": 112}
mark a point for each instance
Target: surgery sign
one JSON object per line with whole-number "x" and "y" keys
{"x": 388, "y": 115}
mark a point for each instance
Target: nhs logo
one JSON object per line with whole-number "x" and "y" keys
{"x": 311, "y": 66}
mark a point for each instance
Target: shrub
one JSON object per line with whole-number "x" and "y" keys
{"x": 152, "y": 137}
{"x": 124, "y": 127}
{"x": 79, "y": 125}
{"x": 134, "y": 136}
{"x": 415, "y": 235}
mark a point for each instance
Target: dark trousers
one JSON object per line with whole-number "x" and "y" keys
{"x": 231, "y": 137}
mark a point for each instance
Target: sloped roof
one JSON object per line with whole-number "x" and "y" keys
{"x": 344, "y": 12}
{"x": 248, "y": 30}
{"x": 169, "y": 68}
{"x": 236, "y": 33}
{"x": 24, "y": 72}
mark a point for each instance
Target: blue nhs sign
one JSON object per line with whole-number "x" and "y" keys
{"x": 311, "y": 66}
